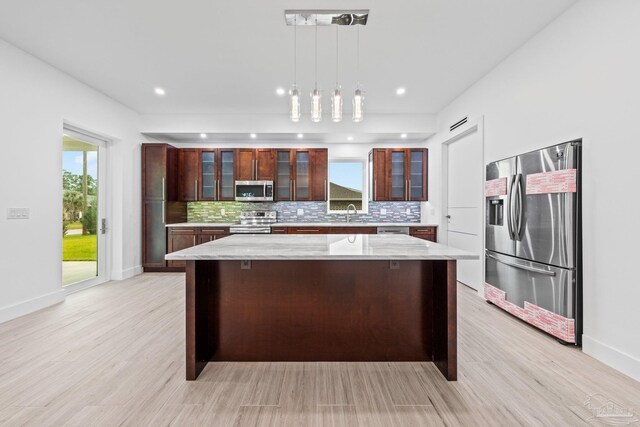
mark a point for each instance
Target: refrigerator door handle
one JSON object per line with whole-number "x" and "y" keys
{"x": 520, "y": 211}
{"x": 510, "y": 209}
{"x": 523, "y": 267}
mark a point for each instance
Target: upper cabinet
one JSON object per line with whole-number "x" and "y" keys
{"x": 398, "y": 174}
{"x": 255, "y": 164}
{"x": 206, "y": 174}
{"x": 210, "y": 174}
{"x": 301, "y": 174}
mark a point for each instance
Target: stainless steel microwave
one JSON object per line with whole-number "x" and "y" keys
{"x": 254, "y": 191}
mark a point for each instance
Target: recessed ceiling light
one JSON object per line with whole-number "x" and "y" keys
{"x": 203, "y": 135}
{"x": 159, "y": 91}
{"x": 401, "y": 91}
{"x": 253, "y": 136}
{"x": 349, "y": 138}
{"x": 280, "y": 91}
{"x": 403, "y": 136}
{"x": 300, "y": 136}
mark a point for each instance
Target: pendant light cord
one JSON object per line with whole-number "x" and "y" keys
{"x": 316, "y": 87}
{"x": 358, "y": 57}
{"x": 337, "y": 27}
{"x": 295, "y": 50}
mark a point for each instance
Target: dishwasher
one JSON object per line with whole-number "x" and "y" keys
{"x": 393, "y": 230}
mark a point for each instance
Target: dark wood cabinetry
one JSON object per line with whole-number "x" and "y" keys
{"x": 188, "y": 188}
{"x": 398, "y": 174}
{"x": 160, "y": 205}
{"x": 255, "y": 164}
{"x": 301, "y": 174}
{"x": 186, "y": 237}
{"x": 426, "y": 233}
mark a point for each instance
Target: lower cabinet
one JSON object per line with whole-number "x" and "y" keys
{"x": 179, "y": 238}
{"x": 425, "y": 233}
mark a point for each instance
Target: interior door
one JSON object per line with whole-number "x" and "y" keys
{"x": 464, "y": 204}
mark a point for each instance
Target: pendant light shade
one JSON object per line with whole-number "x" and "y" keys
{"x": 294, "y": 107}
{"x": 316, "y": 106}
{"x": 358, "y": 104}
{"x": 336, "y": 105}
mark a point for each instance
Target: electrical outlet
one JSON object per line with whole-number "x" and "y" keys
{"x": 301, "y": 212}
{"x": 18, "y": 213}
{"x": 408, "y": 211}
{"x": 383, "y": 211}
{"x": 223, "y": 212}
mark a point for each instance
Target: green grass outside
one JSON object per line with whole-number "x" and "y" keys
{"x": 79, "y": 248}
{"x": 74, "y": 226}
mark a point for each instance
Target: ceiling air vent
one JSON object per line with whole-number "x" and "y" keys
{"x": 457, "y": 124}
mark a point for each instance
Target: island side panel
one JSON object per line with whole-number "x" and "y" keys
{"x": 445, "y": 329}
{"x": 201, "y": 316}
{"x": 323, "y": 311}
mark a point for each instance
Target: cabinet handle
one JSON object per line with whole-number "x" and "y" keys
{"x": 325, "y": 190}
{"x": 409, "y": 190}
{"x": 195, "y": 188}
{"x": 163, "y": 209}
{"x": 290, "y": 189}
{"x": 256, "y": 176}
{"x": 218, "y": 189}
{"x": 375, "y": 190}
{"x": 294, "y": 190}
{"x": 308, "y": 229}
{"x": 163, "y": 189}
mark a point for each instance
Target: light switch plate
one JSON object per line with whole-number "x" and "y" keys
{"x": 300, "y": 212}
{"x": 18, "y": 213}
{"x": 223, "y": 212}
{"x": 408, "y": 211}
{"x": 383, "y": 211}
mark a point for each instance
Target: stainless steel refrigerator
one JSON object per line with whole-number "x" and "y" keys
{"x": 533, "y": 254}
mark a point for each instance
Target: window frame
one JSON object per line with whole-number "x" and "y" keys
{"x": 365, "y": 184}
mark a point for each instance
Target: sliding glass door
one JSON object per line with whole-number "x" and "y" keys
{"x": 83, "y": 210}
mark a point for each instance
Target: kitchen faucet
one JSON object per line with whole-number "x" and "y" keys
{"x": 351, "y": 205}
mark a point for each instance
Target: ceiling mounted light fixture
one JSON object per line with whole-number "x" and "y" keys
{"x": 326, "y": 18}
{"x": 403, "y": 136}
{"x": 294, "y": 96}
{"x": 160, "y": 91}
{"x": 316, "y": 96}
{"x": 336, "y": 97}
{"x": 358, "y": 98}
{"x": 401, "y": 91}
{"x": 300, "y": 136}
{"x": 203, "y": 135}
{"x": 253, "y": 136}
{"x": 280, "y": 91}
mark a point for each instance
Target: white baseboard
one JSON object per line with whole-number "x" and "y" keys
{"x": 29, "y": 306}
{"x": 125, "y": 274}
{"x": 625, "y": 363}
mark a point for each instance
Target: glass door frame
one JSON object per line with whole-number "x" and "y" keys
{"x": 103, "y": 240}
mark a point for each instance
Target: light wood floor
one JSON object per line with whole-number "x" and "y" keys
{"x": 114, "y": 355}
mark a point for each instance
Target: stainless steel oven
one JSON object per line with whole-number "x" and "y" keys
{"x": 254, "y": 191}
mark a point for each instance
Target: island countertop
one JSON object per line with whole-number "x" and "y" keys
{"x": 321, "y": 247}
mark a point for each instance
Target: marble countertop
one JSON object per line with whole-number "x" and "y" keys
{"x": 320, "y": 247}
{"x": 310, "y": 224}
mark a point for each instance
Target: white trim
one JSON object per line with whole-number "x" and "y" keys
{"x": 29, "y": 306}
{"x": 127, "y": 273}
{"x": 623, "y": 362}
{"x": 365, "y": 181}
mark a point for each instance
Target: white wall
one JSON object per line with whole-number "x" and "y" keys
{"x": 36, "y": 100}
{"x": 579, "y": 78}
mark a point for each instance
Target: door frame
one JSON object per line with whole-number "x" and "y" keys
{"x": 475, "y": 125}
{"x": 104, "y": 210}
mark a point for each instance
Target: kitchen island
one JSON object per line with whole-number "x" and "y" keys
{"x": 321, "y": 298}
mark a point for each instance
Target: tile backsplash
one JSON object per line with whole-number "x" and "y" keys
{"x": 313, "y": 211}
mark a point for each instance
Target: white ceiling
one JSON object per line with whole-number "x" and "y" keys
{"x": 228, "y": 57}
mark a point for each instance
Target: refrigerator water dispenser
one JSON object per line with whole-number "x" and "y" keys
{"x": 496, "y": 208}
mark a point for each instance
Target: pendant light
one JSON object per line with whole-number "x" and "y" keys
{"x": 336, "y": 97}
{"x": 294, "y": 97}
{"x": 358, "y": 98}
{"x": 316, "y": 96}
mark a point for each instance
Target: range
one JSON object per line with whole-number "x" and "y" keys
{"x": 254, "y": 222}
